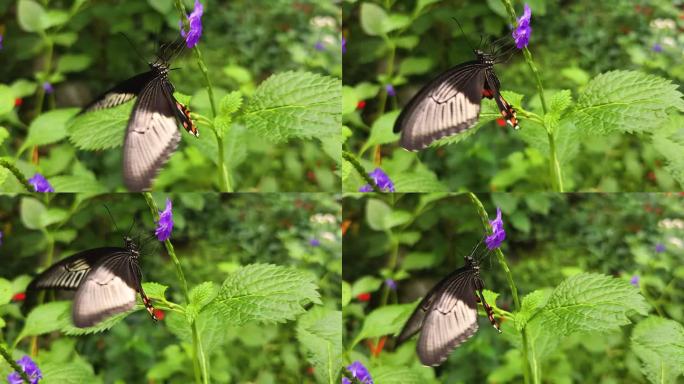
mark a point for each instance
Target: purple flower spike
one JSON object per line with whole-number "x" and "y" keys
{"x": 657, "y": 47}
{"x": 344, "y": 45}
{"x": 0, "y": 41}
{"x": 381, "y": 179}
{"x": 165, "y": 224}
{"x": 358, "y": 371}
{"x": 40, "y": 183}
{"x": 660, "y": 248}
{"x": 0, "y": 237}
{"x": 195, "y": 21}
{"x": 391, "y": 284}
{"x": 498, "y": 233}
{"x": 314, "y": 242}
{"x": 635, "y": 281}
{"x": 346, "y": 381}
{"x": 319, "y": 46}
{"x": 390, "y": 90}
{"x": 522, "y": 32}
{"x": 48, "y": 88}
{"x": 30, "y": 368}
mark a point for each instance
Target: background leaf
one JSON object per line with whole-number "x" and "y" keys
{"x": 659, "y": 344}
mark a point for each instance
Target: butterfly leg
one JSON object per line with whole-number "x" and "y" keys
{"x": 148, "y": 304}
{"x": 488, "y": 309}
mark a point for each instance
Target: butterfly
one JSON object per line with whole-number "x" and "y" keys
{"x": 106, "y": 280}
{"x": 152, "y": 134}
{"x": 447, "y": 315}
{"x": 450, "y": 103}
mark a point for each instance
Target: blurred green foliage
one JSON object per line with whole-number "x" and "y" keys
{"x": 571, "y": 43}
{"x": 79, "y": 47}
{"x": 584, "y": 249}
{"x": 216, "y": 237}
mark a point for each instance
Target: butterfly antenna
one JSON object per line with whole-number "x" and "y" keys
{"x": 464, "y": 34}
{"x": 130, "y": 228}
{"x": 135, "y": 49}
{"x": 112, "y": 218}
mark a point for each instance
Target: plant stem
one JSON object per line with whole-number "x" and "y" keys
{"x": 17, "y": 174}
{"x": 198, "y": 357}
{"x": 554, "y": 166}
{"x": 224, "y": 176}
{"x": 359, "y": 169}
{"x": 509, "y": 277}
{"x": 40, "y": 96}
{"x": 8, "y": 358}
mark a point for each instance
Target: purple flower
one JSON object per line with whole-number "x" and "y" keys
{"x": 195, "y": 21}
{"x": 360, "y": 372}
{"x": 635, "y": 281}
{"x": 522, "y": 32}
{"x": 390, "y": 90}
{"x": 165, "y": 223}
{"x": 314, "y": 242}
{"x": 319, "y": 46}
{"x": 381, "y": 179}
{"x": 0, "y": 237}
{"x": 657, "y": 47}
{"x": 344, "y": 45}
{"x": 660, "y": 248}
{"x": 391, "y": 284}
{"x": 0, "y": 41}
{"x": 346, "y": 381}
{"x": 48, "y": 88}
{"x": 498, "y": 233}
{"x": 31, "y": 370}
{"x": 40, "y": 183}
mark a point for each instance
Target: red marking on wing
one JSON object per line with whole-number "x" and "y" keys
{"x": 487, "y": 93}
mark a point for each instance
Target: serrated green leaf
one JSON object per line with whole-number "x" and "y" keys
{"x": 372, "y": 19}
{"x": 625, "y": 101}
{"x": 154, "y": 290}
{"x": 105, "y": 325}
{"x": 668, "y": 142}
{"x": 421, "y": 181}
{"x": 77, "y": 184}
{"x": 101, "y": 129}
{"x": 392, "y": 374}
{"x": 531, "y": 303}
{"x": 265, "y": 293}
{"x": 295, "y": 105}
{"x": 386, "y": 320}
{"x": 200, "y": 297}
{"x": 659, "y": 344}
{"x": 49, "y": 127}
{"x": 47, "y": 318}
{"x": 319, "y": 332}
{"x": 76, "y": 372}
{"x": 231, "y": 103}
{"x": 560, "y": 101}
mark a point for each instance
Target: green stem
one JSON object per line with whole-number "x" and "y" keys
{"x": 554, "y": 166}
{"x": 198, "y": 357}
{"x": 509, "y": 277}
{"x": 8, "y": 358}
{"x": 40, "y": 97}
{"x": 224, "y": 176}
{"x": 17, "y": 174}
{"x": 359, "y": 169}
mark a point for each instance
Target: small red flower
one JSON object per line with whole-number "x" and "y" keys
{"x": 310, "y": 371}
{"x": 21, "y": 296}
{"x": 501, "y": 122}
{"x": 159, "y": 314}
{"x": 18, "y": 102}
{"x": 361, "y": 104}
{"x": 363, "y": 296}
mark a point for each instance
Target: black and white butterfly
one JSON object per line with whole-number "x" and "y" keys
{"x": 106, "y": 280}
{"x": 447, "y": 315}
{"x": 152, "y": 132}
{"x": 450, "y": 103}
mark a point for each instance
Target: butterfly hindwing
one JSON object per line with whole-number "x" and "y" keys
{"x": 151, "y": 136}
{"x": 447, "y": 105}
{"x": 121, "y": 92}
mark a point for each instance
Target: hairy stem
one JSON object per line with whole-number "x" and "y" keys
{"x": 224, "y": 176}
{"x": 17, "y": 174}
{"x": 556, "y": 175}
{"x": 8, "y": 358}
{"x": 359, "y": 169}
{"x": 509, "y": 277}
{"x": 198, "y": 357}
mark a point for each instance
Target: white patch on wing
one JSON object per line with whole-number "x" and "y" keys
{"x": 101, "y": 295}
{"x": 442, "y": 332}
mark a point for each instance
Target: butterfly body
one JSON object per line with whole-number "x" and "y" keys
{"x": 152, "y": 131}
{"x": 106, "y": 280}
{"x": 450, "y": 103}
{"x": 447, "y": 315}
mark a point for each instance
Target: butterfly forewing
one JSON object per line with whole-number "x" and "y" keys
{"x": 121, "y": 93}
{"x": 110, "y": 288}
{"x": 151, "y": 136}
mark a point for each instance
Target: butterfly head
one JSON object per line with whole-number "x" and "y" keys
{"x": 131, "y": 246}
{"x": 160, "y": 67}
{"x": 484, "y": 57}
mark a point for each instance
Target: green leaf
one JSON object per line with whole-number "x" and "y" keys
{"x": 560, "y": 101}
{"x": 47, "y": 318}
{"x": 416, "y": 66}
{"x": 373, "y": 19}
{"x": 31, "y": 211}
{"x": 386, "y": 320}
{"x": 154, "y": 290}
{"x": 230, "y": 103}
{"x": 200, "y": 296}
{"x": 625, "y": 101}
{"x": 5, "y": 291}
{"x": 419, "y": 260}
{"x": 73, "y": 63}
{"x": 76, "y": 372}
{"x": 376, "y": 214}
{"x": 382, "y": 131}
{"x": 77, "y": 184}
{"x": 101, "y": 129}
{"x": 265, "y": 293}
{"x": 659, "y": 344}
{"x": 365, "y": 284}
{"x": 295, "y": 105}
{"x": 65, "y": 39}
{"x": 395, "y": 21}
{"x": 49, "y": 127}
{"x": 319, "y": 332}
{"x": 419, "y": 181}
{"x": 346, "y": 293}
{"x": 669, "y": 141}
{"x": 55, "y": 17}
{"x": 6, "y": 99}
{"x": 105, "y": 325}
{"x": 31, "y": 16}
{"x": 349, "y": 99}
{"x": 23, "y": 88}
{"x": 392, "y": 374}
